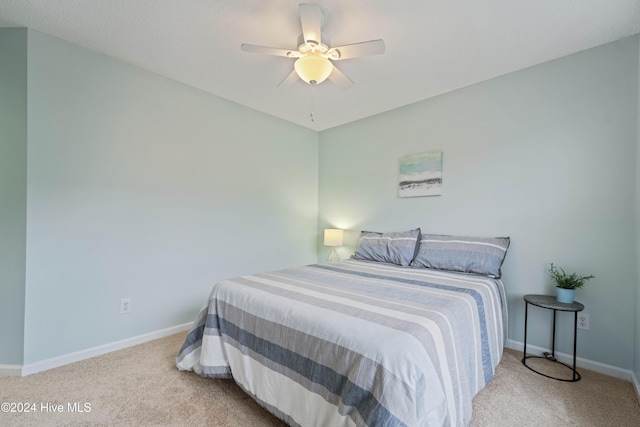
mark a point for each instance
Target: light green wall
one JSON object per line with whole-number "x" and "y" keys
{"x": 141, "y": 187}
{"x": 13, "y": 183}
{"x": 546, "y": 155}
{"x": 637, "y": 260}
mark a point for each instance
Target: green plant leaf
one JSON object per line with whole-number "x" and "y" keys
{"x": 567, "y": 281}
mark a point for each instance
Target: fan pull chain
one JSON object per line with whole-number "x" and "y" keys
{"x": 311, "y": 116}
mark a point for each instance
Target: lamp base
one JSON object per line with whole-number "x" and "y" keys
{"x": 333, "y": 255}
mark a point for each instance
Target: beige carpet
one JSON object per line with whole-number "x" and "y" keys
{"x": 140, "y": 386}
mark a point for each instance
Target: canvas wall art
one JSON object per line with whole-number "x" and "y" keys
{"x": 421, "y": 175}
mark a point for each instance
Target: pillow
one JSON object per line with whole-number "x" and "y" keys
{"x": 396, "y": 248}
{"x": 465, "y": 254}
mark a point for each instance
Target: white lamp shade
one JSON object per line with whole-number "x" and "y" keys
{"x": 313, "y": 69}
{"x": 333, "y": 237}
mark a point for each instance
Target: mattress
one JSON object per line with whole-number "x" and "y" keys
{"x": 353, "y": 342}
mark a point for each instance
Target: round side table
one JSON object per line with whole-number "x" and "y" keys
{"x": 549, "y": 302}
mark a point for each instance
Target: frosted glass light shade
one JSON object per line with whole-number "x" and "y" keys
{"x": 333, "y": 237}
{"x": 313, "y": 69}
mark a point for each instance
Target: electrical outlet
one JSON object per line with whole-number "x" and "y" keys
{"x": 125, "y": 305}
{"x": 583, "y": 321}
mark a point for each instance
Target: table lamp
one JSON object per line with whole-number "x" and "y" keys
{"x": 333, "y": 238}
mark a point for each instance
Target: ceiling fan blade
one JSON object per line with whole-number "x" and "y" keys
{"x": 311, "y": 20}
{"x": 274, "y": 51}
{"x": 340, "y": 79}
{"x": 289, "y": 80}
{"x": 371, "y": 47}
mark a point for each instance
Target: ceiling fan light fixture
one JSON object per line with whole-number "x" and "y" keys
{"x": 314, "y": 55}
{"x": 313, "y": 69}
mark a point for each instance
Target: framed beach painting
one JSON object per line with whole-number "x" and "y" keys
{"x": 421, "y": 175}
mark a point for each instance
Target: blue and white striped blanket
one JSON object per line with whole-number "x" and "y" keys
{"x": 353, "y": 343}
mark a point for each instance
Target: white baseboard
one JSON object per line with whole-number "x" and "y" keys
{"x": 636, "y": 383}
{"x": 581, "y": 362}
{"x": 10, "y": 370}
{"x": 77, "y": 356}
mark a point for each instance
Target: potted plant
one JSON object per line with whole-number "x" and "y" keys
{"x": 566, "y": 284}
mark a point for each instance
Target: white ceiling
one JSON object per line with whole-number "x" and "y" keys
{"x": 432, "y": 46}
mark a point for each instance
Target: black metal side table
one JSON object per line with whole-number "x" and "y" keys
{"x": 550, "y": 302}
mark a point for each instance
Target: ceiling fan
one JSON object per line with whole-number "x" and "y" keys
{"x": 313, "y": 58}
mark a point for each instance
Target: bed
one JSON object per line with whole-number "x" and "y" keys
{"x": 355, "y": 342}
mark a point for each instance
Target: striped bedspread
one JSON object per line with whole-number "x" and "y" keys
{"x": 353, "y": 342}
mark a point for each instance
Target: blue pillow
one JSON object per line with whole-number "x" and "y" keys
{"x": 396, "y": 248}
{"x": 478, "y": 255}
